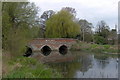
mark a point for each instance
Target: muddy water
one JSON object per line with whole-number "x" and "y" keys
{"x": 77, "y": 64}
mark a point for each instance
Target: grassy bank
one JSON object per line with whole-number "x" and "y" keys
{"x": 24, "y": 67}
{"x": 112, "y": 49}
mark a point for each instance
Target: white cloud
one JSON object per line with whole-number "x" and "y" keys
{"x": 92, "y": 10}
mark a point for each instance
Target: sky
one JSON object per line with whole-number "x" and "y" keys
{"x": 91, "y": 10}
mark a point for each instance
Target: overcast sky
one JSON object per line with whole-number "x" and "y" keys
{"x": 91, "y": 10}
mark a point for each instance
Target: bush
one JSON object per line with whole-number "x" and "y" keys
{"x": 106, "y": 46}
{"x": 100, "y": 40}
{"x": 94, "y": 45}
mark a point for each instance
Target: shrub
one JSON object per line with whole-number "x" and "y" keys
{"x": 94, "y": 45}
{"x": 106, "y": 46}
{"x": 100, "y": 40}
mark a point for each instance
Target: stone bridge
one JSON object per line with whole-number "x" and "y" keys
{"x": 53, "y": 43}
{"x": 49, "y": 44}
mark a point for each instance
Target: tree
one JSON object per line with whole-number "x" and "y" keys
{"x": 102, "y": 28}
{"x": 47, "y": 14}
{"x": 61, "y": 25}
{"x": 86, "y": 30}
{"x": 112, "y": 37}
{"x": 18, "y": 25}
{"x": 70, "y": 10}
{"x": 44, "y": 17}
{"x": 103, "y": 31}
{"x": 99, "y": 39}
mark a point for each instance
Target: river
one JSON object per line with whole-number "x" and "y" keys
{"x": 79, "y": 64}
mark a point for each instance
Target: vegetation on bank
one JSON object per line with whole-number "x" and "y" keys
{"x": 95, "y": 47}
{"x": 24, "y": 67}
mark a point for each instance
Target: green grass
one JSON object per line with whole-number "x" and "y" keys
{"x": 30, "y": 68}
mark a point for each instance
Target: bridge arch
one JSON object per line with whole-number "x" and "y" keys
{"x": 63, "y": 49}
{"x": 46, "y": 50}
{"x": 28, "y": 52}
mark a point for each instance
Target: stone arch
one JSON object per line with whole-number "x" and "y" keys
{"x": 63, "y": 49}
{"x": 46, "y": 50}
{"x": 28, "y": 52}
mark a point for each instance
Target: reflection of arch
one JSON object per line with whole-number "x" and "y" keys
{"x": 63, "y": 49}
{"x": 28, "y": 52}
{"x": 46, "y": 50}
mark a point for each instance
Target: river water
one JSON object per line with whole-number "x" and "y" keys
{"x": 79, "y": 64}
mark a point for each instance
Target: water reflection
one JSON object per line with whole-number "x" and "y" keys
{"x": 79, "y": 64}
{"x": 102, "y": 60}
{"x": 54, "y": 57}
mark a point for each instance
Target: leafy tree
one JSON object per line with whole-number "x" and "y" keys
{"x": 18, "y": 25}
{"x": 61, "y": 25}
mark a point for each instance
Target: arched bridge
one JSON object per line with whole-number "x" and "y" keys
{"x": 41, "y": 44}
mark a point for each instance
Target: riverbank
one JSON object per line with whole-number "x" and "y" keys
{"x": 25, "y": 67}
{"x": 107, "y": 49}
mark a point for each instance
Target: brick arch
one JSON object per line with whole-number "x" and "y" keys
{"x": 46, "y": 50}
{"x": 62, "y": 45}
{"x": 30, "y": 47}
{"x": 63, "y": 49}
{"x": 28, "y": 52}
{"x": 46, "y": 45}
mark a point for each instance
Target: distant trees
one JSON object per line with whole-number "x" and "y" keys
{"x": 113, "y": 37}
{"x": 47, "y": 14}
{"x": 86, "y": 31}
{"x": 19, "y": 24}
{"x": 102, "y": 29}
{"x": 44, "y": 17}
{"x": 64, "y": 24}
{"x": 102, "y": 33}
{"x": 61, "y": 25}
